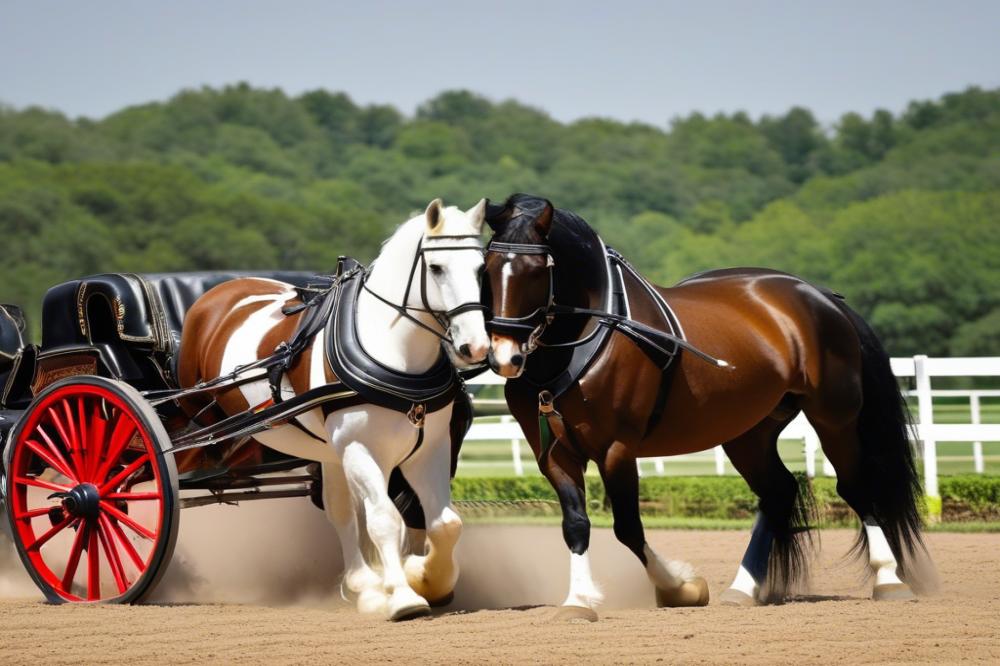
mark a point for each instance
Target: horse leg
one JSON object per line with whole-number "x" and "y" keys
{"x": 842, "y": 447}
{"x": 565, "y": 472}
{"x": 675, "y": 582}
{"x": 433, "y": 576}
{"x": 368, "y": 482}
{"x": 359, "y": 578}
{"x": 775, "y": 554}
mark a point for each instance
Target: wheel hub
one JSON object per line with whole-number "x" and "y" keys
{"x": 83, "y": 501}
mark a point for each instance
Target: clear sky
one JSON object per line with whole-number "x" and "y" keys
{"x": 648, "y": 61}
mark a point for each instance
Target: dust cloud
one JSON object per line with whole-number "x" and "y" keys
{"x": 285, "y": 553}
{"x": 14, "y": 580}
{"x": 272, "y": 552}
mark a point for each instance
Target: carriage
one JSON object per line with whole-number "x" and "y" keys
{"x": 92, "y": 434}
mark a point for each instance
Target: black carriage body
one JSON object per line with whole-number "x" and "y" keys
{"x": 122, "y": 326}
{"x": 107, "y": 341}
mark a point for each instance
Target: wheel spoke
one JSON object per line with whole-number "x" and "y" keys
{"x": 74, "y": 558}
{"x": 56, "y": 529}
{"x": 113, "y": 560}
{"x": 125, "y": 542}
{"x": 133, "y": 497}
{"x": 93, "y": 567}
{"x": 33, "y": 513}
{"x": 40, "y": 483}
{"x": 96, "y": 447}
{"x": 71, "y": 444}
{"x": 77, "y": 451}
{"x": 124, "y": 474}
{"x": 120, "y": 436}
{"x": 57, "y": 464}
{"x": 124, "y": 518}
{"x": 55, "y": 450}
{"x": 81, "y": 421}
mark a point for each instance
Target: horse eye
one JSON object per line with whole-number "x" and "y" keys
{"x": 436, "y": 269}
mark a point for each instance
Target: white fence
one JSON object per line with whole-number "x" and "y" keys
{"x": 923, "y": 369}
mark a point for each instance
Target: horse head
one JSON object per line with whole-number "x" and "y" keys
{"x": 450, "y": 277}
{"x": 520, "y": 285}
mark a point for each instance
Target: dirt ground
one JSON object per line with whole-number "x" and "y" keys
{"x": 258, "y": 584}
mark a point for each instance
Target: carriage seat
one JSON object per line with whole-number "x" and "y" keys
{"x": 16, "y": 358}
{"x": 133, "y": 320}
{"x": 146, "y": 311}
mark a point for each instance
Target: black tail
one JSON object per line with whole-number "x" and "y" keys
{"x": 789, "y": 520}
{"x": 887, "y": 465}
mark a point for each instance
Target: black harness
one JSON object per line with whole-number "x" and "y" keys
{"x": 661, "y": 346}
{"x": 332, "y": 304}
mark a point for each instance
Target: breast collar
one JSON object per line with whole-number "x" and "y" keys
{"x": 661, "y": 345}
{"x": 376, "y": 383}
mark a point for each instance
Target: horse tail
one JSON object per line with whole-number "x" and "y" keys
{"x": 791, "y": 526}
{"x": 887, "y": 465}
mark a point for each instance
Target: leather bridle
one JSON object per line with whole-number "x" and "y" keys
{"x": 536, "y": 321}
{"x": 442, "y": 317}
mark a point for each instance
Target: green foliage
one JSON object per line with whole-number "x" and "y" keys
{"x": 969, "y": 497}
{"x": 898, "y": 213}
{"x": 976, "y": 496}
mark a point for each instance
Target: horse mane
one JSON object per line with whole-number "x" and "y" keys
{"x": 570, "y": 238}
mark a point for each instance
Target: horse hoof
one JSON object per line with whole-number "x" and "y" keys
{"x": 734, "y": 597}
{"x": 443, "y": 601}
{"x": 410, "y": 612}
{"x": 893, "y": 592}
{"x": 575, "y": 614}
{"x": 693, "y": 592}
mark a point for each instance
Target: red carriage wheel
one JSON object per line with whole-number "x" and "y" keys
{"x": 91, "y": 497}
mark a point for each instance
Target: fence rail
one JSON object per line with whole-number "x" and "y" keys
{"x": 928, "y": 433}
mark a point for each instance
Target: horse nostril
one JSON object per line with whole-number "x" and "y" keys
{"x": 464, "y": 349}
{"x": 517, "y": 360}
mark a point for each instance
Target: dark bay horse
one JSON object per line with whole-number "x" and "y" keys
{"x": 595, "y": 376}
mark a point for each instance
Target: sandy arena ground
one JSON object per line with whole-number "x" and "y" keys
{"x": 258, "y": 584}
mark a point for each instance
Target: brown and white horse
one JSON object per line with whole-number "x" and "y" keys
{"x": 241, "y": 321}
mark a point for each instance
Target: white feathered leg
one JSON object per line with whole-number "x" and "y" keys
{"x": 385, "y": 527}
{"x": 434, "y": 574}
{"x": 359, "y": 578}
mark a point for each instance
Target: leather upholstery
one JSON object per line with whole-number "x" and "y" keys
{"x": 134, "y": 320}
{"x": 148, "y": 310}
{"x": 11, "y": 334}
{"x": 12, "y": 350}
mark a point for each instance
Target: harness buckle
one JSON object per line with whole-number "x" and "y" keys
{"x": 416, "y": 414}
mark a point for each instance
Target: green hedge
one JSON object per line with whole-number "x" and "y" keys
{"x": 964, "y": 498}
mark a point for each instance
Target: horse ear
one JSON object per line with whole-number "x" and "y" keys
{"x": 434, "y": 217}
{"x": 477, "y": 215}
{"x": 543, "y": 223}
{"x": 497, "y": 215}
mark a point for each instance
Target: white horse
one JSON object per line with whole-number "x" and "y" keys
{"x": 406, "y": 306}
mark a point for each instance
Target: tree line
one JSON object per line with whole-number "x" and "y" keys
{"x": 898, "y": 212}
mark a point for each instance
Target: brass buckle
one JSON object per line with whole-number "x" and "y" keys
{"x": 416, "y": 414}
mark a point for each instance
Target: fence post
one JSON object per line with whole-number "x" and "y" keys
{"x": 720, "y": 461}
{"x": 658, "y": 466}
{"x": 926, "y": 410}
{"x": 811, "y": 443}
{"x": 977, "y": 447}
{"x": 515, "y": 448}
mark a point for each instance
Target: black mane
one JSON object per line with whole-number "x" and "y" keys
{"x": 575, "y": 246}
{"x": 580, "y": 265}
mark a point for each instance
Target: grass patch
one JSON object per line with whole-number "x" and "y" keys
{"x": 604, "y": 521}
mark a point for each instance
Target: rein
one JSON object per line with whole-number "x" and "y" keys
{"x": 536, "y": 321}
{"x": 442, "y": 317}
